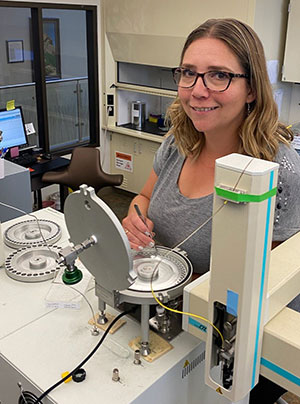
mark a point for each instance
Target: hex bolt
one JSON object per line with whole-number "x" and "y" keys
{"x": 137, "y": 357}
{"x": 115, "y": 376}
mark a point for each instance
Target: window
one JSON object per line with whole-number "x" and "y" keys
{"x": 56, "y": 80}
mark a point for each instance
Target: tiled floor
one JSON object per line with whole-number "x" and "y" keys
{"x": 119, "y": 201}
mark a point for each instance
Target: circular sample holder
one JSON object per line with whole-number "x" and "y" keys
{"x": 28, "y": 233}
{"x": 33, "y": 264}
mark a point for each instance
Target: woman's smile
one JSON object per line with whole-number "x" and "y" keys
{"x": 204, "y": 109}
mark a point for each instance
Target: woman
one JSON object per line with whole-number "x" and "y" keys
{"x": 224, "y": 105}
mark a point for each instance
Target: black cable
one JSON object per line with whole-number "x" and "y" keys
{"x": 88, "y": 357}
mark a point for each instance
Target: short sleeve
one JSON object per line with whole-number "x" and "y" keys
{"x": 163, "y": 153}
{"x": 287, "y": 206}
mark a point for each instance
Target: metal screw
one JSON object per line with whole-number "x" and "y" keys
{"x": 95, "y": 331}
{"x": 137, "y": 357}
{"x": 228, "y": 326}
{"x": 115, "y": 376}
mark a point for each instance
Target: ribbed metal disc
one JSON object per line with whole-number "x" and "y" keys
{"x": 28, "y": 233}
{"x": 170, "y": 269}
{"x": 33, "y": 264}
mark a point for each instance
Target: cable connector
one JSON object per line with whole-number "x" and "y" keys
{"x": 110, "y": 110}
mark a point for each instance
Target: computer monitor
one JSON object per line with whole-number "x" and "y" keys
{"x": 13, "y": 128}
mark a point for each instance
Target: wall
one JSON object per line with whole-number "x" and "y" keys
{"x": 272, "y": 32}
{"x": 16, "y": 27}
{"x": 72, "y": 27}
{"x": 72, "y": 43}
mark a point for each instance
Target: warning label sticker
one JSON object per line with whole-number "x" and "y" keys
{"x": 124, "y": 161}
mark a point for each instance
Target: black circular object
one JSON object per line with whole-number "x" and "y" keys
{"x": 79, "y": 375}
{"x": 27, "y": 398}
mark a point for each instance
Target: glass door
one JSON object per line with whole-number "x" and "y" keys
{"x": 66, "y": 76}
{"x": 49, "y": 66}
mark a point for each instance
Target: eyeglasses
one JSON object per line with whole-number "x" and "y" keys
{"x": 213, "y": 80}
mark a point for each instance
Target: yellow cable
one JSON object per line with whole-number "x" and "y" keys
{"x": 179, "y": 244}
{"x": 186, "y": 313}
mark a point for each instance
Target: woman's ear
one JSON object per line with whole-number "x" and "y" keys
{"x": 251, "y": 96}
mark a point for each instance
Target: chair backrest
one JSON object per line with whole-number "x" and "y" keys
{"x": 85, "y": 168}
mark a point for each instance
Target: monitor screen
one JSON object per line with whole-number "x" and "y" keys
{"x": 13, "y": 128}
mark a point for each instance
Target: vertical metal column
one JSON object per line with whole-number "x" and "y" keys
{"x": 145, "y": 313}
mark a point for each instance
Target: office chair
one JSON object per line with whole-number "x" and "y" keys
{"x": 84, "y": 168}
{"x": 281, "y": 401}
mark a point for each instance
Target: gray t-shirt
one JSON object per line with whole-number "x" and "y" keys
{"x": 176, "y": 216}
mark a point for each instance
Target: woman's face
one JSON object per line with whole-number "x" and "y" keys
{"x": 214, "y": 112}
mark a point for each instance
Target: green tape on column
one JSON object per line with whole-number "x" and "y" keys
{"x": 245, "y": 198}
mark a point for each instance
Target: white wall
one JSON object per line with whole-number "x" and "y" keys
{"x": 15, "y": 27}
{"x": 73, "y": 49}
{"x": 270, "y": 23}
{"x": 72, "y": 32}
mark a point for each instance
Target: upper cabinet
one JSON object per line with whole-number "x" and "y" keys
{"x": 153, "y": 32}
{"x": 291, "y": 64}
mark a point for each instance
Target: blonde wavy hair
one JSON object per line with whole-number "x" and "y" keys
{"x": 260, "y": 133}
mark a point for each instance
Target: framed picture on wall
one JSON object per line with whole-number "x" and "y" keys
{"x": 15, "y": 51}
{"x": 51, "y": 48}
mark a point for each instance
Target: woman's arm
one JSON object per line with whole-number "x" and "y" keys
{"x": 137, "y": 232}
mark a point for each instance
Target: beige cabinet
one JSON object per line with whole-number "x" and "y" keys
{"x": 133, "y": 158}
{"x": 153, "y": 32}
{"x": 291, "y": 64}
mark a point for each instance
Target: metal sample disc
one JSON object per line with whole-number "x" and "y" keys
{"x": 28, "y": 233}
{"x": 33, "y": 264}
{"x": 168, "y": 269}
{"x": 109, "y": 260}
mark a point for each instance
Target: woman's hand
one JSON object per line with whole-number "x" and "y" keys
{"x": 139, "y": 234}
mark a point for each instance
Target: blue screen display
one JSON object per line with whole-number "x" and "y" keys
{"x": 12, "y": 127}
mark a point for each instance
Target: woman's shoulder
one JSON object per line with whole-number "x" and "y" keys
{"x": 168, "y": 142}
{"x": 287, "y": 207}
{"x": 167, "y": 148}
{"x": 166, "y": 152}
{"x": 289, "y": 165}
{"x": 287, "y": 155}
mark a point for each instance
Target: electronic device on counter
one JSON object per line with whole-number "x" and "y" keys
{"x": 138, "y": 114}
{"x": 13, "y": 127}
{"x": 24, "y": 159}
{"x": 14, "y": 135}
